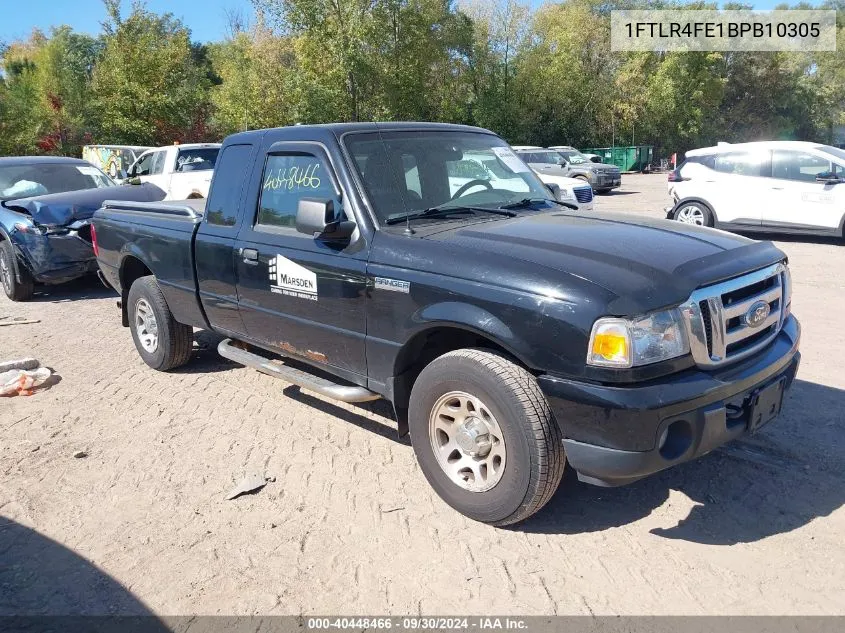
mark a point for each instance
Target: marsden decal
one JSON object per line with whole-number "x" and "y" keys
{"x": 291, "y": 279}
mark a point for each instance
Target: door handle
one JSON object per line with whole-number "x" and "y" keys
{"x": 778, "y": 188}
{"x": 250, "y": 256}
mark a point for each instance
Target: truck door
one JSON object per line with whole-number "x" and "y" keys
{"x": 214, "y": 249}
{"x": 298, "y": 294}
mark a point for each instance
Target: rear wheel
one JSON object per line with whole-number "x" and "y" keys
{"x": 696, "y": 213}
{"x": 484, "y": 436}
{"x": 161, "y": 341}
{"x": 18, "y": 288}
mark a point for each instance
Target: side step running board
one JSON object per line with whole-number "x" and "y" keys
{"x": 344, "y": 393}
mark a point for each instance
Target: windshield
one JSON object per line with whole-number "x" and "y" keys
{"x": 573, "y": 157}
{"x": 409, "y": 171}
{"x": 833, "y": 151}
{"x": 38, "y": 179}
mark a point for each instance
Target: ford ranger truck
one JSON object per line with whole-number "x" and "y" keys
{"x": 510, "y": 333}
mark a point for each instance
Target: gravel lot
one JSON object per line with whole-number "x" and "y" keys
{"x": 350, "y": 526}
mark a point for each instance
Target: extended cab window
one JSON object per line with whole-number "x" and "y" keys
{"x": 287, "y": 179}
{"x": 801, "y": 166}
{"x": 228, "y": 184}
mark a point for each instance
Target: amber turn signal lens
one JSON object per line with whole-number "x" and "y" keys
{"x": 610, "y": 346}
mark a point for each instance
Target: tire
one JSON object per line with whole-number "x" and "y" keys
{"x": 161, "y": 341}
{"x": 506, "y": 401}
{"x": 16, "y": 289}
{"x": 694, "y": 212}
{"x": 582, "y": 177}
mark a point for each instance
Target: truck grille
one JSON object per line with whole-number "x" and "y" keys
{"x": 733, "y": 319}
{"x": 583, "y": 194}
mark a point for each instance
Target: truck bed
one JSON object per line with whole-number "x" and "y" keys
{"x": 154, "y": 233}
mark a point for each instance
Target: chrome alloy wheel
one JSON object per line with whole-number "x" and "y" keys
{"x": 467, "y": 441}
{"x": 146, "y": 326}
{"x": 690, "y": 214}
{"x": 5, "y": 275}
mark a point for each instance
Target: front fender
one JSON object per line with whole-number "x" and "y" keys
{"x": 470, "y": 318}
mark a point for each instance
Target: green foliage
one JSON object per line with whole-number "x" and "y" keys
{"x": 542, "y": 76}
{"x": 150, "y": 86}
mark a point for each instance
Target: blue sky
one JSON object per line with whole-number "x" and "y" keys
{"x": 205, "y": 18}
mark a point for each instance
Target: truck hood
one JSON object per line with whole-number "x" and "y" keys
{"x": 562, "y": 181}
{"x": 644, "y": 264}
{"x": 63, "y": 209}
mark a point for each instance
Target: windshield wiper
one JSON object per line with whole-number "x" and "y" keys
{"x": 441, "y": 211}
{"x": 527, "y": 202}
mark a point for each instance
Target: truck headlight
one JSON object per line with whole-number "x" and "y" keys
{"x": 626, "y": 343}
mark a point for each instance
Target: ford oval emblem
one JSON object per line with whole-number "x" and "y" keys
{"x": 757, "y": 314}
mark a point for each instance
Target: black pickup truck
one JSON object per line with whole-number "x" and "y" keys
{"x": 510, "y": 333}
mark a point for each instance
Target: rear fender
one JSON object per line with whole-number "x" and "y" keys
{"x": 130, "y": 254}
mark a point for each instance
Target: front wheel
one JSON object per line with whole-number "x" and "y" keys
{"x": 484, "y": 436}
{"x": 696, "y": 213}
{"x": 161, "y": 341}
{"x": 17, "y": 288}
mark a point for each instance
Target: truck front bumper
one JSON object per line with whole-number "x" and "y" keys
{"x": 615, "y": 435}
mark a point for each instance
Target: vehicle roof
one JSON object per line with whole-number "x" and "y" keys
{"x": 118, "y": 146}
{"x": 6, "y": 161}
{"x": 303, "y": 132}
{"x": 562, "y": 147}
{"x": 756, "y": 145}
{"x": 196, "y": 145}
{"x": 184, "y": 146}
{"x": 522, "y": 148}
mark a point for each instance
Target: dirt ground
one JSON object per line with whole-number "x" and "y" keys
{"x": 350, "y": 526}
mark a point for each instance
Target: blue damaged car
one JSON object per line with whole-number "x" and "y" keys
{"x": 46, "y": 204}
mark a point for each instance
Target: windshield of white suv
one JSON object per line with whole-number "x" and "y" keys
{"x": 833, "y": 151}
{"x": 38, "y": 179}
{"x": 407, "y": 172}
{"x": 573, "y": 157}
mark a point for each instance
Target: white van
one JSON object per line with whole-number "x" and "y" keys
{"x": 788, "y": 186}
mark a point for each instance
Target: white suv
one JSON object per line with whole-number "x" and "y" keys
{"x": 789, "y": 186}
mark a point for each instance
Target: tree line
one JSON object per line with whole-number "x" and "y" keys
{"x": 543, "y": 76}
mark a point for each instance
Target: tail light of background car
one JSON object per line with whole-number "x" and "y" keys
{"x": 94, "y": 244}
{"x": 675, "y": 176}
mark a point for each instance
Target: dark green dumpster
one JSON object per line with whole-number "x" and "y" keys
{"x": 631, "y": 158}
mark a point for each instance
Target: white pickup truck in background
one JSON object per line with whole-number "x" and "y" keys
{"x": 183, "y": 171}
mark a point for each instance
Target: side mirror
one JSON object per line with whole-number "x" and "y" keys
{"x": 828, "y": 178}
{"x": 316, "y": 217}
{"x": 555, "y": 189}
{"x": 563, "y": 162}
